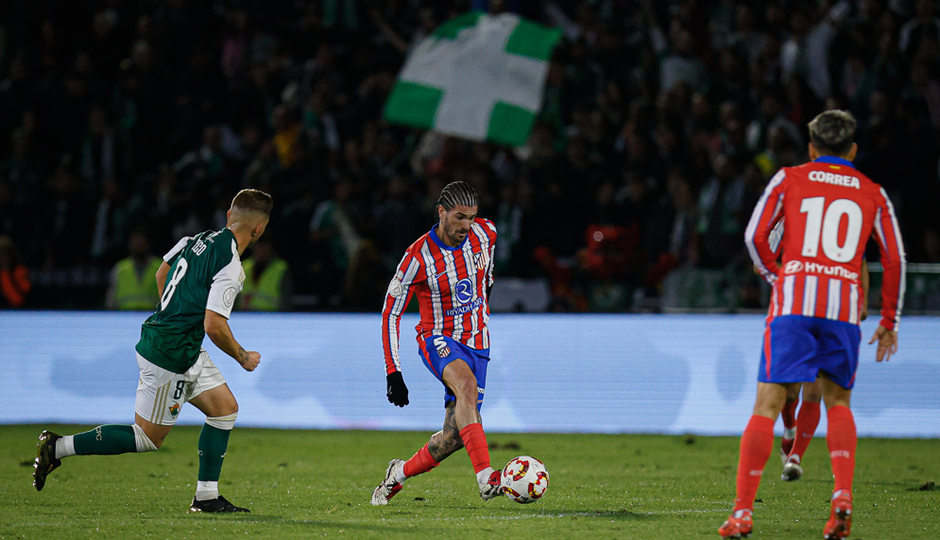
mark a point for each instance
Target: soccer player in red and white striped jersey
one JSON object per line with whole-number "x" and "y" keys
{"x": 830, "y": 210}
{"x": 450, "y": 270}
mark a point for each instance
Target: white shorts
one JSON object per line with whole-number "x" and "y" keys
{"x": 161, "y": 393}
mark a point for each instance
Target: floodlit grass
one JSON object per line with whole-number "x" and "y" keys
{"x": 318, "y": 483}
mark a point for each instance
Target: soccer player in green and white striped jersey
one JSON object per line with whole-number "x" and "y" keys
{"x": 198, "y": 282}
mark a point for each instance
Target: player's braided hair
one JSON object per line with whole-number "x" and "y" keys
{"x": 458, "y": 193}
{"x": 253, "y": 200}
{"x": 833, "y": 132}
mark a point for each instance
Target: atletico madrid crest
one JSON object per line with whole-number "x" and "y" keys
{"x": 443, "y": 350}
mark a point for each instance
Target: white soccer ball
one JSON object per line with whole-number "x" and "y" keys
{"x": 524, "y": 479}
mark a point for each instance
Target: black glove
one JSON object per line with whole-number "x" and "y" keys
{"x": 397, "y": 392}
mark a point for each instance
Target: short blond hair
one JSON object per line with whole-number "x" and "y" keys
{"x": 253, "y": 200}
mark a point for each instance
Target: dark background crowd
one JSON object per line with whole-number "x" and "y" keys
{"x": 126, "y": 124}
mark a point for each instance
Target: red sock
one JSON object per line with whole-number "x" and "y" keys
{"x": 474, "y": 440}
{"x": 788, "y": 414}
{"x": 806, "y": 424}
{"x": 757, "y": 443}
{"x": 842, "y": 440}
{"x": 421, "y": 462}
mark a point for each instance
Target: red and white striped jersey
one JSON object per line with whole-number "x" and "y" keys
{"x": 830, "y": 210}
{"x": 451, "y": 285}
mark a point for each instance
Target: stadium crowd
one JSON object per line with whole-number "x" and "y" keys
{"x": 662, "y": 122}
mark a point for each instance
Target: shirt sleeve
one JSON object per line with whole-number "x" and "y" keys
{"x": 177, "y": 248}
{"x": 887, "y": 234}
{"x": 776, "y": 238}
{"x": 226, "y": 284}
{"x": 491, "y": 231}
{"x": 766, "y": 215}
{"x": 400, "y": 290}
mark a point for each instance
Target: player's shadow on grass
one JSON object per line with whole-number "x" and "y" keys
{"x": 623, "y": 515}
{"x": 581, "y": 513}
{"x": 339, "y": 525}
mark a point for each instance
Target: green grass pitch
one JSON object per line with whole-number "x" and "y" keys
{"x": 309, "y": 484}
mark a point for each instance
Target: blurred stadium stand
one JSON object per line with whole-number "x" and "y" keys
{"x": 661, "y": 124}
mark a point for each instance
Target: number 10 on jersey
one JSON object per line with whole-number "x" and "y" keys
{"x": 822, "y": 226}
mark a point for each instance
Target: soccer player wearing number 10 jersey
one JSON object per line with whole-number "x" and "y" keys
{"x": 198, "y": 282}
{"x": 450, "y": 269}
{"x": 830, "y": 210}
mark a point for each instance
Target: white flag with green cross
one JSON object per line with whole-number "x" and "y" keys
{"x": 477, "y": 76}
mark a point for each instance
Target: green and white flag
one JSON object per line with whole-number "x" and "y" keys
{"x": 476, "y": 76}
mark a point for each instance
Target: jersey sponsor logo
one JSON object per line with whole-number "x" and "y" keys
{"x": 466, "y": 308}
{"x": 228, "y": 297}
{"x": 465, "y": 291}
{"x": 838, "y": 271}
{"x": 198, "y": 247}
{"x": 443, "y": 350}
{"x": 835, "y": 179}
{"x": 395, "y": 288}
{"x": 793, "y": 267}
{"x": 175, "y": 409}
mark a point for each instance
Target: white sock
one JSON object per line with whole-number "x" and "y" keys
{"x": 400, "y": 475}
{"x": 484, "y": 475}
{"x": 65, "y": 447}
{"x": 207, "y": 490}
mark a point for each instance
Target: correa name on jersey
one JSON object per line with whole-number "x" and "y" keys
{"x": 835, "y": 179}
{"x": 450, "y": 285}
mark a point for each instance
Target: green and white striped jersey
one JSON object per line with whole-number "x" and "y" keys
{"x": 205, "y": 273}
